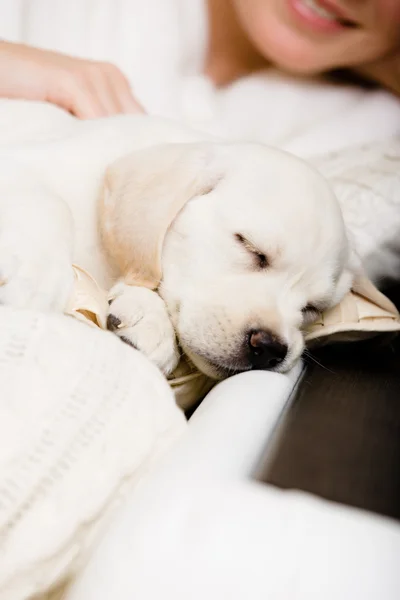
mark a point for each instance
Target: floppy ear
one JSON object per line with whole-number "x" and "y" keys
{"x": 142, "y": 195}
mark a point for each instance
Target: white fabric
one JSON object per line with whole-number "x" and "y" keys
{"x": 81, "y": 416}
{"x": 366, "y": 180}
{"x": 238, "y": 540}
{"x": 230, "y": 430}
{"x": 198, "y": 528}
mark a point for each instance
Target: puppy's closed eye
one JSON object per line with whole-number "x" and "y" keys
{"x": 310, "y": 312}
{"x": 261, "y": 259}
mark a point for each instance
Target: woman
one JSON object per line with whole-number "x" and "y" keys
{"x": 299, "y": 36}
{"x": 226, "y": 40}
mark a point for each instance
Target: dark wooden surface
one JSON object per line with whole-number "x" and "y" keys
{"x": 341, "y": 437}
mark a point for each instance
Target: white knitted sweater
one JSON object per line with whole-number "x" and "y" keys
{"x": 81, "y": 416}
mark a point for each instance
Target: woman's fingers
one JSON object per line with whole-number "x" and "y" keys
{"x": 94, "y": 90}
{"x": 87, "y": 89}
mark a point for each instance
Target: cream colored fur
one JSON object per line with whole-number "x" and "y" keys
{"x": 172, "y": 204}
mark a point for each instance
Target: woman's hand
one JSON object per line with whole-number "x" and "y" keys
{"x": 85, "y": 88}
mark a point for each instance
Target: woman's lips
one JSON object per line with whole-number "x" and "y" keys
{"x": 318, "y": 15}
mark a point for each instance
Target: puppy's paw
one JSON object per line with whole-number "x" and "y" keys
{"x": 140, "y": 318}
{"x": 33, "y": 279}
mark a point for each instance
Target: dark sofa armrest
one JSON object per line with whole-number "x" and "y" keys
{"x": 340, "y": 439}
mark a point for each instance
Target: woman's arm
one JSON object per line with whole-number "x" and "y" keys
{"x": 85, "y": 88}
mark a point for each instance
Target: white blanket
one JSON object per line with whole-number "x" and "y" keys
{"x": 81, "y": 417}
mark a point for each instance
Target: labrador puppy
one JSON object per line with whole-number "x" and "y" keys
{"x": 221, "y": 250}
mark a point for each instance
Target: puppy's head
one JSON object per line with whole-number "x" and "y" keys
{"x": 245, "y": 244}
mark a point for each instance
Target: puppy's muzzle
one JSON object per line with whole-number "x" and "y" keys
{"x": 266, "y": 351}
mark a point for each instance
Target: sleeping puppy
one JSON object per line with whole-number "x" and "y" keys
{"x": 222, "y": 250}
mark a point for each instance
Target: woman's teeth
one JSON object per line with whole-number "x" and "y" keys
{"x": 327, "y": 14}
{"x": 320, "y": 10}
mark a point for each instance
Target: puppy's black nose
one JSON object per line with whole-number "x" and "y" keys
{"x": 266, "y": 351}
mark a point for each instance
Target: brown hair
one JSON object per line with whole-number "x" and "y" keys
{"x": 384, "y": 72}
{"x": 352, "y": 78}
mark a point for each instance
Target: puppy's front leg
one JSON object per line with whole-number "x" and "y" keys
{"x": 35, "y": 242}
{"x": 140, "y": 318}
